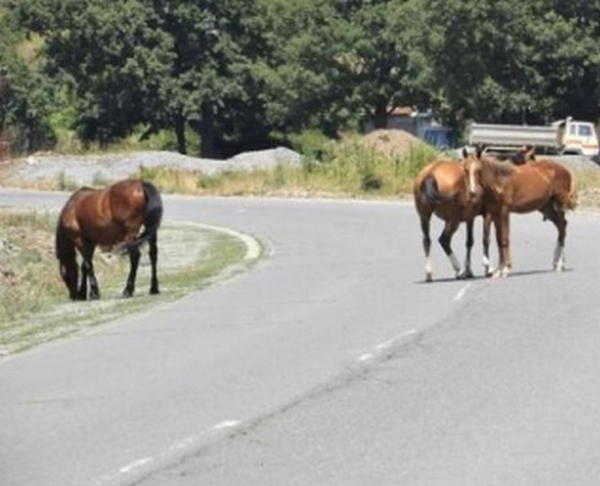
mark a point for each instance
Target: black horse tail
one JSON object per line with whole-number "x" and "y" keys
{"x": 65, "y": 253}
{"x": 429, "y": 191}
{"x": 64, "y": 249}
{"x": 153, "y": 214}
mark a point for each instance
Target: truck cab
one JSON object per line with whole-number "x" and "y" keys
{"x": 577, "y": 137}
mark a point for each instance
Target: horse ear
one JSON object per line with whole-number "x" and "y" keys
{"x": 479, "y": 149}
{"x": 530, "y": 152}
{"x": 465, "y": 153}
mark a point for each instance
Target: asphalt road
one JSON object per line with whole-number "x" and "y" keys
{"x": 329, "y": 363}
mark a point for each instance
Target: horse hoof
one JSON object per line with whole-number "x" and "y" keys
{"x": 428, "y": 278}
{"x": 504, "y": 272}
{"x": 500, "y": 273}
{"x": 464, "y": 275}
{"x": 489, "y": 271}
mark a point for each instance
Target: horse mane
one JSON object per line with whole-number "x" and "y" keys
{"x": 497, "y": 169}
{"x": 526, "y": 154}
{"x": 517, "y": 159}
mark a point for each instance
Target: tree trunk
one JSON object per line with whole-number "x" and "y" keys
{"x": 207, "y": 131}
{"x": 180, "y": 133}
{"x": 380, "y": 116}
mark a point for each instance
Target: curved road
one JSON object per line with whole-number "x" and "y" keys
{"x": 329, "y": 363}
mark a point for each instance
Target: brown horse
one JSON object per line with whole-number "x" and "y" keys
{"x": 441, "y": 188}
{"x": 107, "y": 217}
{"x": 538, "y": 185}
{"x": 523, "y": 156}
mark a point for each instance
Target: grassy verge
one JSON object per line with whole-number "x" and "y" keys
{"x": 587, "y": 182}
{"x": 34, "y": 307}
{"x": 347, "y": 169}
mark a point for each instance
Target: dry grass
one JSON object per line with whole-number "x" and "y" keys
{"x": 353, "y": 167}
{"x": 28, "y": 277}
{"x": 587, "y": 182}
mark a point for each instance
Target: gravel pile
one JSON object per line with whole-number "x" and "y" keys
{"x": 576, "y": 162}
{"x": 104, "y": 168}
{"x": 110, "y": 167}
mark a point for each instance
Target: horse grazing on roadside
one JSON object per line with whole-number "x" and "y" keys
{"x": 107, "y": 217}
{"x": 441, "y": 188}
{"x": 538, "y": 185}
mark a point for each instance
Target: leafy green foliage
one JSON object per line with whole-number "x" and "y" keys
{"x": 243, "y": 74}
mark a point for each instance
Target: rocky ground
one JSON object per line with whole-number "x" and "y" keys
{"x": 39, "y": 168}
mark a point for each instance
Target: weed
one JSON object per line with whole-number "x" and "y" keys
{"x": 64, "y": 183}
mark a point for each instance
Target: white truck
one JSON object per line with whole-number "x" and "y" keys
{"x": 561, "y": 137}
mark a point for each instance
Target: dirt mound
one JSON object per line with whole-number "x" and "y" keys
{"x": 390, "y": 142}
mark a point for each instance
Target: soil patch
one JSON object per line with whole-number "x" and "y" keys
{"x": 390, "y": 142}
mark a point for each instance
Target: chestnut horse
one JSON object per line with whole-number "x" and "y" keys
{"x": 107, "y": 217}
{"x": 525, "y": 155}
{"x": 538, "y": 185}
{"x": 441, "y": 188}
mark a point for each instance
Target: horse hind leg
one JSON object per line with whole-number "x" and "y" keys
{"x": 425, "y": 219}
{"x": 445, "y": 241}
{"x": 153, "y": 252}
{"x": 560, "y": 221}
{"x": 134, "y": 260}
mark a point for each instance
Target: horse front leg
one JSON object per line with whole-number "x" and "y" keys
{"x": 467, "y": 271}
{"x": 134, "y": 260}
{"x": 488, "y": 271}
{"x": 502, "y": 226}
{"x": 82, "y": 291}
{"x": 445, "y": 241}
{"x": 153, "y": 251}
{"x": 87, "y": 273}
{"x": 87, "y": 268}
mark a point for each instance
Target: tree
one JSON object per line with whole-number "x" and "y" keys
{"x": 163, "y": 64}
{"x": 111, "y": 60}
{"x": 515, "y": 62}
{"x": 481, "y": 60}
{"x": 334, "y": 65}
{"x": 385, "y": 49}
{"x": 27, "y": 99}
{"x": 211, "y": 84}
{"x": 564, "y": 38}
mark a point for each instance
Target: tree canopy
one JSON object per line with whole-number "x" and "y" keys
{"x": 243, "y": 74}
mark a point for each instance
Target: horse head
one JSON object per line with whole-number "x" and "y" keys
{"x": 472, "y": 166}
